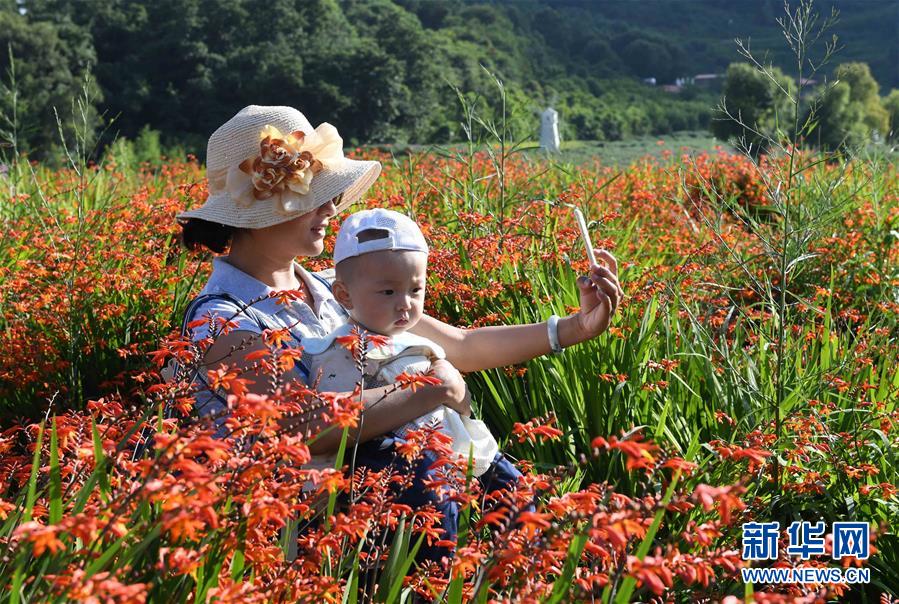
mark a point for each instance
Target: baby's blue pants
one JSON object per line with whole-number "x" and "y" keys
{"x": 379, "y": 453}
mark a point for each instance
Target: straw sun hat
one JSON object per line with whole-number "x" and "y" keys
{"x": 267, "y": 165}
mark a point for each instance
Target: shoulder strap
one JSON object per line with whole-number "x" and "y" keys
{"x": 200, "y": 300}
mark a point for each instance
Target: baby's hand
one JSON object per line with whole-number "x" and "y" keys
{"x": 458, "y": 398}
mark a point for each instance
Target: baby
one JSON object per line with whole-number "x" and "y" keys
{"x": 381, "y": 265}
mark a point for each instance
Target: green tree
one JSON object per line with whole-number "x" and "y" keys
{"x": 753, "y": 105}
{"x": 152, "y": 60}
{"x": 850, "y": 111}
{"x": 649, "y": 55}
{"x": 378, "y": 69}
{"x": 840, "y": 121}
{"x": 891, "y": 104}
{"x": 863, "y": 90}
{"x": 50, "y": 65}
{"x": 416, "y": 72}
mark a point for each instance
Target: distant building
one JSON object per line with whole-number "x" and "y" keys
{"x": 650, "y": 81}
{"x": 705, "y": 78}
{"x": 709, "y": 81}
{"x": 672, "y": 88}
{"x": 549, "y": 131}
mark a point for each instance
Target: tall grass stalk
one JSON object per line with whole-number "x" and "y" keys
{"x": 805, "y": 199}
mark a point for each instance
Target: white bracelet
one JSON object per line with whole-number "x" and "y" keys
{"x": 552, "y": 330}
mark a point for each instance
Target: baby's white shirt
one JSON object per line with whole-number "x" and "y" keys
{"x": 332, "y": 368}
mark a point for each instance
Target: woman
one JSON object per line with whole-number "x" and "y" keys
{"x": 274, "y": 183}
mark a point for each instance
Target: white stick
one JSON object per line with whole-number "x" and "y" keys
{"x": 586, "y": 235}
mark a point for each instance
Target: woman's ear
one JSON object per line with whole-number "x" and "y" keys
{"x": 342, "y": 294}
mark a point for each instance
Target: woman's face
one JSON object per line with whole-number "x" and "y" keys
{"x": 301, "y": 236}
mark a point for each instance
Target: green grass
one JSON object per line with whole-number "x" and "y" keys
{"x": 623, "y": 153}
{"x": 610, "y": 153}
{"x": 607, "y": 153}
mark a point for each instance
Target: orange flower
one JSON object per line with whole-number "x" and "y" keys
{"x": 286, "y": 296}
{"x": 415, "y": 380}
{"x": 466, "y": 561}
{"x": 534, "y": 521}
{"x": 535, "y": 430}
{"x": 725, "y": 498}
{"x": 183, "y": 526}
{"x": 288, "y": 357}
{"x": 43, "y": 538}
{"x": 343, "y": 410}
{"x": 179, "y": 560}
{"x": 639, "y": 454}
{"x": 223, "y": 378}
{"x": 276, "y": 337}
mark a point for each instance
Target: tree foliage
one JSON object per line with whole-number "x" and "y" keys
{"x": 754, "y": 105}
{"x": 850, "y": 112}
{"x": 891, "y": 104}
{"x": 44, "y": 65}
{"x": 863, "y": 90}
{"x": 380, "y": 70}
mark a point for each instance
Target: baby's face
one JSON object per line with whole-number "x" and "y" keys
{"x": 385, "y": 291}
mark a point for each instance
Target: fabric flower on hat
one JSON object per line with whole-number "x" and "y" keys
{"x": 284, "y": 167}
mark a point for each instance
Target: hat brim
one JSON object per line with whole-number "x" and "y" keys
{"x": 351, "y": 177}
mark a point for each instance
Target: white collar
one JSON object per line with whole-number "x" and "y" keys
{"x": 228, "y": 278}
{"x": 396, "y": 344}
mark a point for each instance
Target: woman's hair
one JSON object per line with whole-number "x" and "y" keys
{"x": 215, "y": 236}
{"x": 196, "y": 233}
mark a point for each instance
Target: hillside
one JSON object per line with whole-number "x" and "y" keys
{"x": 384, "y": 70}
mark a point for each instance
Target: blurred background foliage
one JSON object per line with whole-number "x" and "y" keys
{"x": 386, "y": 70}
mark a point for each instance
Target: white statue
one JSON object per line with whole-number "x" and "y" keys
{"x": 549, "y": 130}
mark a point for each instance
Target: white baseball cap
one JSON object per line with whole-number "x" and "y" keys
{"x": 399, "y": 233}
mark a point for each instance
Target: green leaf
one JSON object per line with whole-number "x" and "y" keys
{"x": 454, "y": 591}
{"x": 15, "y": 590}
{"x": 562, "y": 585}
{"x": 398, "y": 563}
{"x": 627, "y": 587}
{"x": 107, "y": 555}
{"x": 338, "y": 463}
{"x": 31, "y": 496}
{"x": 238, "y": 559}
{"x": 397, "y": 552}
{"x": 100, "y": 461}
{"x": 351, "y": 593}
{"x": 55, "y": 479}
{"x": 403, "y": 570}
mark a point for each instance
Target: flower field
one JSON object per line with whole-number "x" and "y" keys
{"x": 750, "y": 375}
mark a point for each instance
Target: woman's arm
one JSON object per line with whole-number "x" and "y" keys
{"x": 487, "y": 347}
{"x": 496, "y": 346}
{"x": 386, "y": 408}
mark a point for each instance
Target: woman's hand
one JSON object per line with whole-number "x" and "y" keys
{"x": 600, "y": 296}
{"x": 457, "y": 396}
